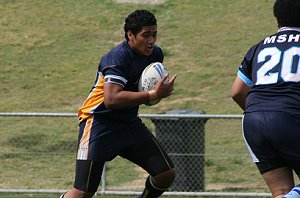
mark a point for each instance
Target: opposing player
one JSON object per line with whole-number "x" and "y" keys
{"x": 109, "y": 122}
{"x": 267, "y": 88}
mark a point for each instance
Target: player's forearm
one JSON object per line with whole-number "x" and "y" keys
{"x": 241, "y": 101}
{"x": 127, "y": 99}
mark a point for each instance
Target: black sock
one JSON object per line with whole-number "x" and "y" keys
{"x": 151, "y": 191}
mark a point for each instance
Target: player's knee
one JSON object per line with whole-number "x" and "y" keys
{"x": 171, "y": 176}
{"x": 165, "y": 179}
{"x": 86, "y": 194}
{"x": 77, "y": 193}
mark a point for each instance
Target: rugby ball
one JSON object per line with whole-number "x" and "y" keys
{"x": 150, "y": 76}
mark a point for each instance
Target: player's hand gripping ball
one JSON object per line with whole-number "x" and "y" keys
{"x": 150, "y": 76}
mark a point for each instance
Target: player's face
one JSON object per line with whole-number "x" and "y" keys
{"x": 143, "y": 42}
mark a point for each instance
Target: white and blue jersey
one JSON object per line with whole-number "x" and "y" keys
{"x": 271, "y": 120}
{"x": 272, "y": 69}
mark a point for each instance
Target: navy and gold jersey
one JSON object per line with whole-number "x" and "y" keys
{"x": 121, "y": 66}
{"x": 272, "y": 69}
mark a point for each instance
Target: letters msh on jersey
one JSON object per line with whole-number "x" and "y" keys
{"x": 282, "y": 38}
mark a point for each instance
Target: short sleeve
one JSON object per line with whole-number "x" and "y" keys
{"x": 245, "y": 69}
{"x": 114, "y": 68}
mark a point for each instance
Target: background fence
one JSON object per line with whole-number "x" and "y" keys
{"x": 37, "y": 153}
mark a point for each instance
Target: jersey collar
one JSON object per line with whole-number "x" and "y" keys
{"x": 289, "y": 28}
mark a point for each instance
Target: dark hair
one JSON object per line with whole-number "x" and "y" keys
{"x": 287, "y": 13}
{"x": 137, "y": 20}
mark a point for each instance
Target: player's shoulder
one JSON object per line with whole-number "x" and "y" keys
{"x": 157, "y": 49}
{"x": 157, "y": 54}
{"x": 259, "y": 45}
{"x": 122, "y": 49}
{"x": 118, "y": 54}
{"x": 252, "y": 50}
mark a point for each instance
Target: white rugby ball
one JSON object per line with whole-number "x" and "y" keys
{"x": 150, "y": 76}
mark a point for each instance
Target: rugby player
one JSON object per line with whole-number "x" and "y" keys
{"x": 109, "y": 122}
{"x": 267, "y": 88}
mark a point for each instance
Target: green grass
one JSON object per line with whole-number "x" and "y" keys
{"x": 35, "y": 195}
{"x": 100, "y": 196}
{"x": 49, "y": 55}
{"x": 50, "y": 49}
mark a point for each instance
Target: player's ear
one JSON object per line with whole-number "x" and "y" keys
{"x": 130, "y": 35}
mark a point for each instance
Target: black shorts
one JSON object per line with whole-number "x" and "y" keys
{"x": 102, "y": 140}
{"x": 272, "y": 139}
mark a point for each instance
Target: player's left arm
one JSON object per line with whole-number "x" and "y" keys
{"x": 239, "y": 92}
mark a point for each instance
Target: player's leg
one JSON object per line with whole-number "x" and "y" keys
{"x": 280, "y": 181}
{"x": 295, "y": 192}
{"x": 87, "y": 179}
{"x": 269, "y": 138}
{"x": 89, "y": 164}
{"x": 151, "y": 157}
{"x": 289, "y": 148}
{"x": 157, "y": 185}
{"x": 165, "y": 177}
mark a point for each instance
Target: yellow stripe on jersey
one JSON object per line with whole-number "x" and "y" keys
{"x": 83, "y": 148}
{"x": 95, "y": 98}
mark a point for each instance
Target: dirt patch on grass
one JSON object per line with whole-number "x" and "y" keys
{"x": 141, "y": 1}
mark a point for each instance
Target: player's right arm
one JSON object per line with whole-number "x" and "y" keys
{"x": 117, "y": 98}
{"x": 243, "y": 82}
{"x": 239, "y": 92}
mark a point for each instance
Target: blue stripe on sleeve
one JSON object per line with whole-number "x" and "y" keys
{"x": 245, "y": 79}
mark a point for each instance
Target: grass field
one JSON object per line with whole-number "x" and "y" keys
{"x": 49, "y": 55}
{"x": 50, "y": 50}
{"x": 41, "y": 195}
{"x": 102, "y": 196}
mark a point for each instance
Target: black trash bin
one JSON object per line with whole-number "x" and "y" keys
{"x": 183, "y": 140}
